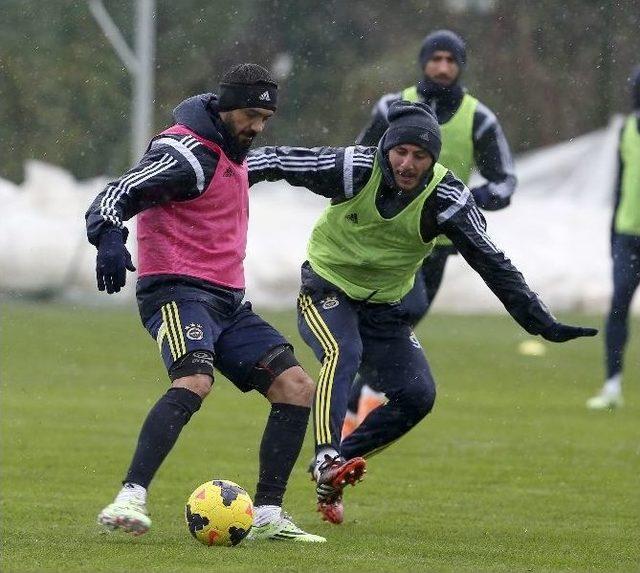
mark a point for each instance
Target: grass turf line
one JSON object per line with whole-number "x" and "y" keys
{"x": 509, "y": 473}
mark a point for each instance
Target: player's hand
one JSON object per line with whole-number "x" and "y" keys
{"x": 112, "y": 262}
{"x": 487, "y": 200}
{"x": 558, "y": 332}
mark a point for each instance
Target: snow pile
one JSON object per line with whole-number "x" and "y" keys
{"x": 43, "y": 245}
{"x": 556, "y": 232}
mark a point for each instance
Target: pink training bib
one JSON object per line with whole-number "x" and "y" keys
{"x": 205, "y": 237}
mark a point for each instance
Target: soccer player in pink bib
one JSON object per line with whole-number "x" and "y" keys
{"x": 191, "y": 194}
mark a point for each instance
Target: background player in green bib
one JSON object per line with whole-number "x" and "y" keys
{"x": 625, "y": 252}
{"x": 388, "y": 205}
{"x": 471, "y": 136}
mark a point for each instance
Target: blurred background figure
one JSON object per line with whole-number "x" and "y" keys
{"x": 625, "y": 252}
{"x": 471, "y": 136}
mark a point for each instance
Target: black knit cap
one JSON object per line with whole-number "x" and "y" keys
{"x": 443, "y": 40}
{"x": 262, "y": 95}
{"x": 412, "y": 122}
{"x": 247, "y": 85}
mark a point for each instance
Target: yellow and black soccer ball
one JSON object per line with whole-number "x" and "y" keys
{"x": 219, "y": 512}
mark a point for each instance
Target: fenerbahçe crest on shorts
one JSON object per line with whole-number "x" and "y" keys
{"x": 194, "y": 331}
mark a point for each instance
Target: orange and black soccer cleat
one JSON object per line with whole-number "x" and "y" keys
{"x": 331, "y": 476}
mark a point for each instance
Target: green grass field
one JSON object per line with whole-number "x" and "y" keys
{"x": 510, "y": 472}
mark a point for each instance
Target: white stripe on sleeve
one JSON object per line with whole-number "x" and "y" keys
{"x": 476, "y": 221}
{"x": 487, "y": 122}
{"x": 114, "y": 193}
{"x": 347, "y": 171}
{"x": 187, "y": 154}
{"x": 454, "y": 194}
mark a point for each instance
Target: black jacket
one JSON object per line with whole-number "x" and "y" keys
{"x": 166, "y": 173}
{"x": 340, "y": 173}
{"x": 173, "y": 168}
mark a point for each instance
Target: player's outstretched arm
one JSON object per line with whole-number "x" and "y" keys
{"x": 333, "y": 172}
{"x": 461, "y": 220}
{"x": 316, "y": 168}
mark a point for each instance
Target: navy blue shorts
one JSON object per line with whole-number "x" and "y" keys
{"x": 238, "y": 339}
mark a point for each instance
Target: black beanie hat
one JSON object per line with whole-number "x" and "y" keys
{"x": 635, "y": 87}
{"x": 444, "y": 40}
{"x": 412, "y": 123}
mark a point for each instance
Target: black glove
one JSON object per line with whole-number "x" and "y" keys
{"x": 487, "y": 200}
{"x": 112, "y": 261}
{"x": 558, "y": 332}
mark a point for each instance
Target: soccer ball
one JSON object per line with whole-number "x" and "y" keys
{"x": 219, "y": 512}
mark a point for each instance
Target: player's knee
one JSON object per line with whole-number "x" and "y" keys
{"x": 279, "y": 376}
{"x": 199, "y": 384}
{"x": 193, "y": 371}
{"x": 420, "y": 397}
{"x": 294, "y": 386}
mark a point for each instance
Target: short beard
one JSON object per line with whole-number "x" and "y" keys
{"x": 243, "y": 146}
{"x": 238, "y": 147}
{"x": 432, "y": 89}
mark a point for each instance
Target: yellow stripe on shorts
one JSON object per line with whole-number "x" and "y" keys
{"x": 162, "y": 334}
{"x": 169, "y": 334}
{"x": 331, "y": 350}
{"x": 171, "y": 318}
{"x": 178, "y": 324}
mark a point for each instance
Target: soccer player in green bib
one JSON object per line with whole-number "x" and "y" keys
{"x": 625, "y": 252}
{"x": 388, "y": 205}
{"x": 471, "y": 136}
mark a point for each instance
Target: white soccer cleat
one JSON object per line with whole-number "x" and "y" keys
{"x": 606, "y": 400}
{"x": 128, "y": 516}
{"x": 282, "y": 528}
